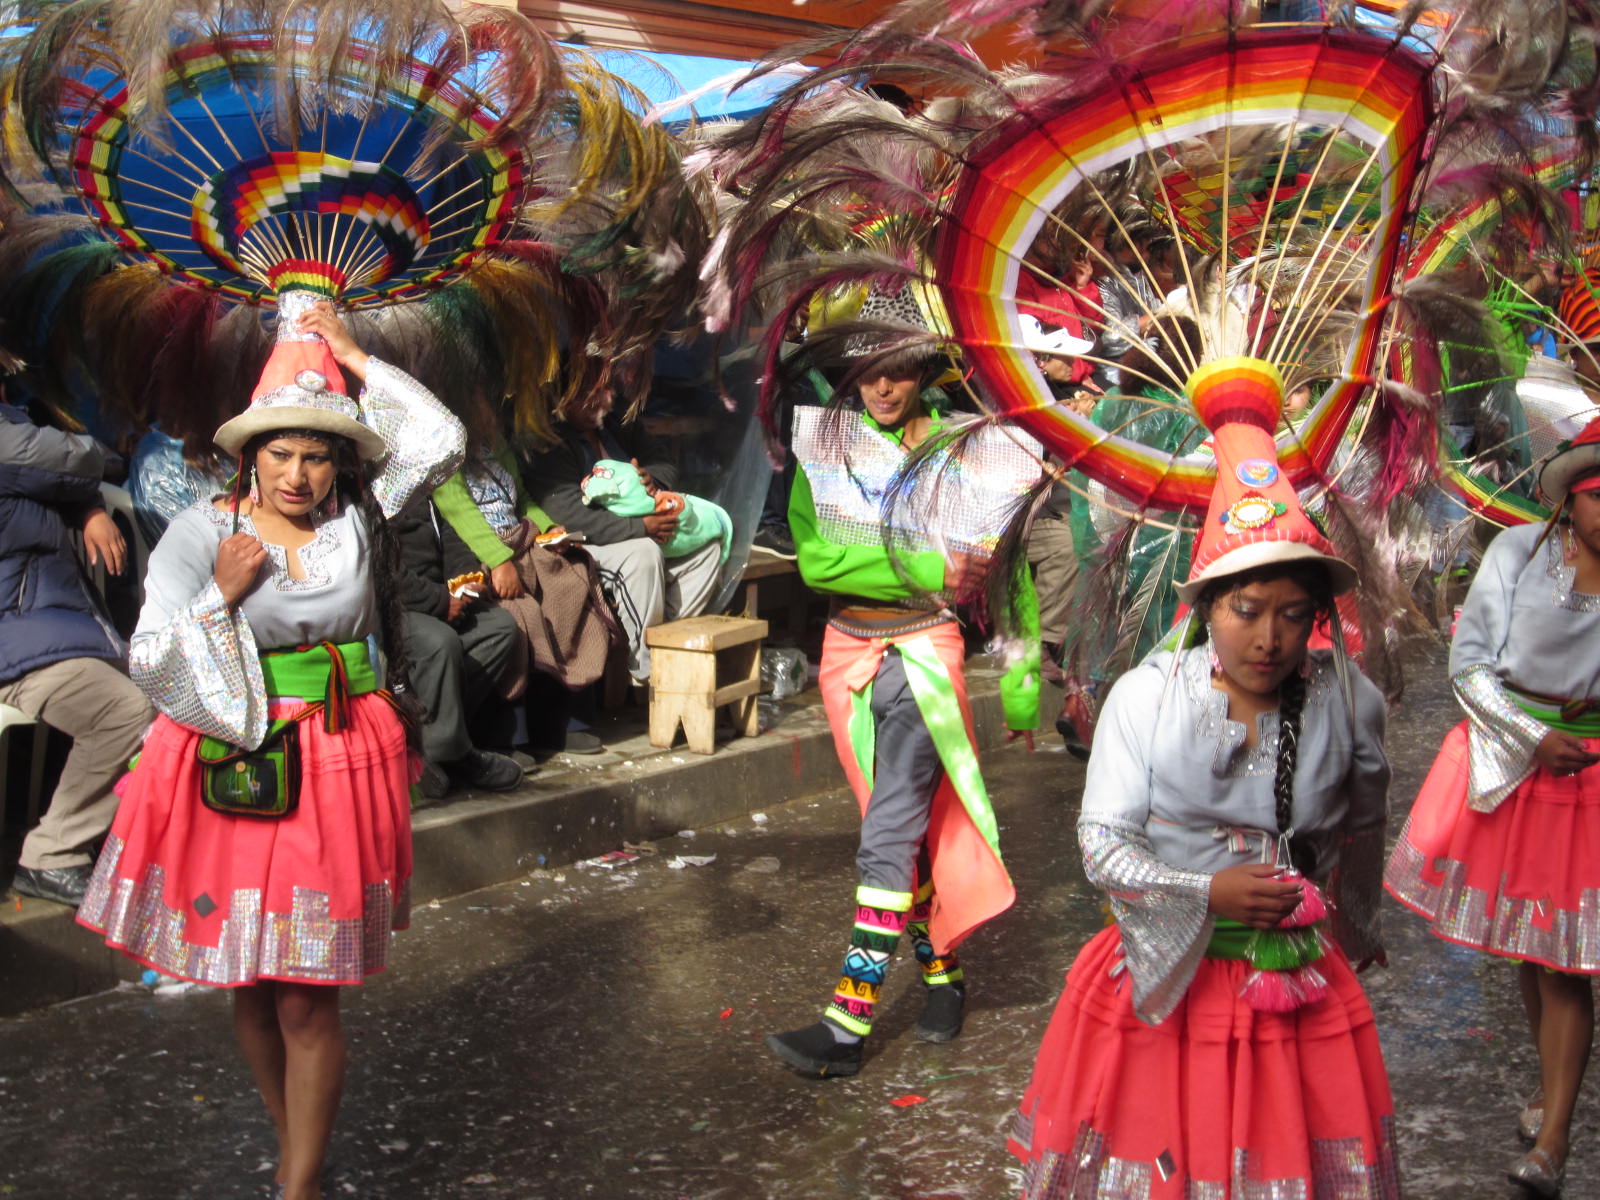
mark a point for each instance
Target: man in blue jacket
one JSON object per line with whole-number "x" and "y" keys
{"x": 57, "y": 649}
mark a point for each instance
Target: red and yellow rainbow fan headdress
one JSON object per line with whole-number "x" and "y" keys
{"x": 1255, "y": 181}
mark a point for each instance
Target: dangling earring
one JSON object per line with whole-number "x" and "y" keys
{"x": 1305, "y": 664}
{"x": 255, "y": 488}
{"x": 1216, "y": 663}
{"x": 330, "y": 506}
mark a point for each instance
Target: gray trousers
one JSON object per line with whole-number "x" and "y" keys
{"x": 906, "y": 773}
{"x": 454, "y": 668}
{"x": 1055, "y": 564}
{"x": 106, "y": 717}
{"x": 647, "y": 589}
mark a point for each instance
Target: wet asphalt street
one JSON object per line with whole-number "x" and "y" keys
{"x": 593, "y": 1032}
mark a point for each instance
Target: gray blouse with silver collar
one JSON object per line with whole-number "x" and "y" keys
{"x": 197, "y": 660}
{"x": 1174, "y": 796}
{"x": 1522, "y": 625}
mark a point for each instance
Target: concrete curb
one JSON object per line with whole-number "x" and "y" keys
{"x": 572, "y": 809}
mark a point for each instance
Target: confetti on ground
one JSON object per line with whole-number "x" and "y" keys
{"x": 679, "y": 861}
{"x": 726, "y": 1013}
{"x": 908, "y": 1100}
{"x": 959, "y": 1074}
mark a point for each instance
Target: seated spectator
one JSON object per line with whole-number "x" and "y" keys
{"x": 57, "y": 649}
{"x": 645, "y": 587}
{"x": 163, "y": 481}
{"x": 1051, "y": 553}
{"x": 553, "y": 592}
{"x": 460, "y": 646}
{"x": 1062, "y": 307}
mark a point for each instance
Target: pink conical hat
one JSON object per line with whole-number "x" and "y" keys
{"x": 1255, "y": 518}
{"x": 301, "y": 387}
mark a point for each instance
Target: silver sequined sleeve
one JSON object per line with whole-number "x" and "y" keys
{"x": 426, "y": 443}
{"x": 1356, "y": 885}
{"x": 196, "y": 660}
{"x": 1162, "y": 911}
{"x": 1500, "y": 738}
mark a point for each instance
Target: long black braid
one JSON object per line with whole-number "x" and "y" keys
{"x": 1291, "y": 707}
{"x": 385, "y": 575}
{"x": 1291, "y": 692}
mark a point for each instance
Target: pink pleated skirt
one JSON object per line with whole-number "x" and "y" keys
{"x": 309, "y": 898}
{"x": 1522, "y": 881}
{"x": 1217, "y": 1102}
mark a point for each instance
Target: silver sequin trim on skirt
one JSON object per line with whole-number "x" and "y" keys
{"x": 304, "y": 944}
{"x": 1088, "y": 1172}
{"x": 1497, "y": 924}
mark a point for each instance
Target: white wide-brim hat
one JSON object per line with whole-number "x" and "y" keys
{"x": 1567, "y": 464}
{"x": 1341, "y": 575}
{"x": 1057, "y": 341}
{"x": 305, "y": 404}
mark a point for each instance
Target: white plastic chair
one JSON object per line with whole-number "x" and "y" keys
{"x": 13, "y": 725}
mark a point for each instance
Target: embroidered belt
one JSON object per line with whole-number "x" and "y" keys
{"x": 873, "y": 621}
{"x": 335, "y": 671}
{"x": 1581, "y": 718}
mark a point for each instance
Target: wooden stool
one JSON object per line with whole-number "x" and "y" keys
{"x": 697, "y": 665}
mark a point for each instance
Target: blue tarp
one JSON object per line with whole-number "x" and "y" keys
{"x": 667, "y": 77}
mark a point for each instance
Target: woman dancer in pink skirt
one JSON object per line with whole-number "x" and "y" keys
{"x": 260, "y": 609}
{"x": 1502, "y": 849}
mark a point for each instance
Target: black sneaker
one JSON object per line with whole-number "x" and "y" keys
{"x": 528, "y": 763}
{"x": 814, "y": 1051}
{"x": 486, "y": 771}
{"x": 581, "y": 741}
{"x": 941, "y": 1013}
{"x": 434, "y": 784}
{"x": 775, "y": 540}
{"x": 64, "y": 885}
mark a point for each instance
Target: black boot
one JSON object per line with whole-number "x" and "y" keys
{"x": 941, "y": 1013}
{"x": 814, "y": 1051}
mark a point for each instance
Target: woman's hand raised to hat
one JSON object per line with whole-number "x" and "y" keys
{"x": 239, "y": 560}
{"x": 323, "y": 320}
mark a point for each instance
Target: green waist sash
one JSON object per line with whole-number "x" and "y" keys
{"x": 304, "y": 673}
{"x": 1268, "y": 949}
{"x": 1581, "y": 718}
{"x": 333, "y": 671}
{"x": 941, "y": 713}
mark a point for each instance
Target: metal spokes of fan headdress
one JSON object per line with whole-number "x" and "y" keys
{"x": 379, "y": 198}
{"x": 1261, "y": 178}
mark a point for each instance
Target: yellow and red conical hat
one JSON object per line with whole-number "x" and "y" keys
{"x": 1255, "y": 518}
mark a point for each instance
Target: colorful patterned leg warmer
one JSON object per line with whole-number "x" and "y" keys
{"x": 880, "y": 918}
{"x": 937, "y": 970}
